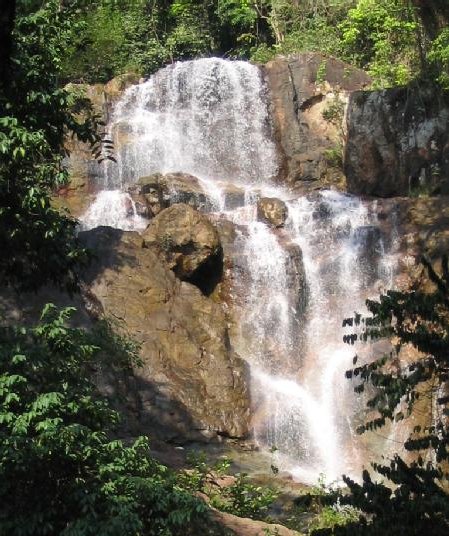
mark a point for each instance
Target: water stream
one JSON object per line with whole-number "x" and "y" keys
{"x": 210, "y": 118}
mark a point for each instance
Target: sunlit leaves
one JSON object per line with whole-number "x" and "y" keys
{"x": 38, "y": 243}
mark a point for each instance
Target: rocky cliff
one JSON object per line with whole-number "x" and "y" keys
{"x": 181, "y": 286}
{"x": 309, "y": 94}
{"x": 397, "y": 142}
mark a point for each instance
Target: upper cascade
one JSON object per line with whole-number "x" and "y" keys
{"x": 206, "y": 117}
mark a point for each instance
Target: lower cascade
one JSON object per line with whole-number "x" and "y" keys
{"x": 292, "y": 284}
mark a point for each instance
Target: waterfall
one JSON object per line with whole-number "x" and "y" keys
{"x": 113, "y": 208}
{"x": 343, "y": 255}
{"x": 206, "y": 117}
{"x": 210, "y": 118}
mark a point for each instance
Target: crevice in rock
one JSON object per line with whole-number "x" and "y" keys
{"x": 296, "y": 106}
{"x": 308, "y": 103}
{"x": 209, "y": 274}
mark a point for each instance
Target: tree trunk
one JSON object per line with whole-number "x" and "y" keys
{"x": 7, "y": 15}
{"x": 434, "y": 15}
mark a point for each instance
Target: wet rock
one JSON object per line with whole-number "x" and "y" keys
{"x": 115, "y": 88}
{"x": 397, "y": 142}
{"x": 370, "y": 238}
{"x": 159, "y": 191}
{"x": 191, "y": 385}
{"x": 76, "y": 201}
{"x": 302, "y": 88}
{"x": 322, "y": 211}
{"x": 189, "y": 243}
{"x": 234, "y": 196}
{"x": 272, "y": 211}
{"x": 297, "y": 290}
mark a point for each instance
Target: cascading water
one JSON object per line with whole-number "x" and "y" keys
{"x": 113, "y": 208}
{"x": 313, "y": 410}
{"x": 206, "y": 117}
{"x": 209, "y": 118}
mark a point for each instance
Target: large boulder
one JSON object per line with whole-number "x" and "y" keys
{"x": 309, "y": 93}
{"x": 397, "y": 142}
{"x": 272, "y": 211}
{"x": 189, "y": 243}
{"x": 158, "y": 191}
{"x": 191, "y": 385}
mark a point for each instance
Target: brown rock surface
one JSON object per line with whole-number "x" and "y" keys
{"x": 84, "y": 170}
{"x": 189, "y": 243}
{"x": 115, "y": 87}
{"x": 272, "y": 211}
{"x": 240, "y": 526}
{"x": 302, "y": 87}
{"x": 397, "y": 142}
{"x": 192, "y": 385}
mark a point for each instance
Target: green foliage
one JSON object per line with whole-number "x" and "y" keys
{"x": 262, "y": 53}
{"x": 245, "y": 499}
{"x": 38, "y": 244}
{"x": 413, "y": 498}
{"x": 238, "y": 13}
{"x": 334, "y": 112}
{"x": 313, "y": 510}
{"x": 111, "y": 38}
{"x": 141, "y": 36}
{"x": 387, "y": 37}
{"x": 59, "y": 471}
{"x": 307, "y": 26}
{"x": 334, "y": 156}
{"x": 334, "y": 115}
{"x": 330, "y": 517}
{"x": 439, "y": 58}
{"x": 241, "y": 498}
{"x": 381, "y": 37}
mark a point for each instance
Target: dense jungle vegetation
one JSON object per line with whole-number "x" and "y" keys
{"x": 61, "y": 471}
{"x": 396, "y": 41}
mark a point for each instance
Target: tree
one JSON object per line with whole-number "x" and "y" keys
{"x": 59, "y": 471}
{"x": 7, "y": 15}
{"x": 380, "y": 37}
{"x": 37, "y": 242}
{"x": 413, "y": 498}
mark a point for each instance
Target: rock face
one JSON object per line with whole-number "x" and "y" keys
{"x": 272, "y": 211}
{"x": 85, "y": 172}
{"x": 303, "y": 88}
{"x": 189, "y": 243}
{"x": 82, "y": 166}
{"x": 192, "y": 385}
{"x": 397, "y": 142}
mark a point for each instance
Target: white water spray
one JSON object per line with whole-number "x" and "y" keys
{"x": 113, "y": 208}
